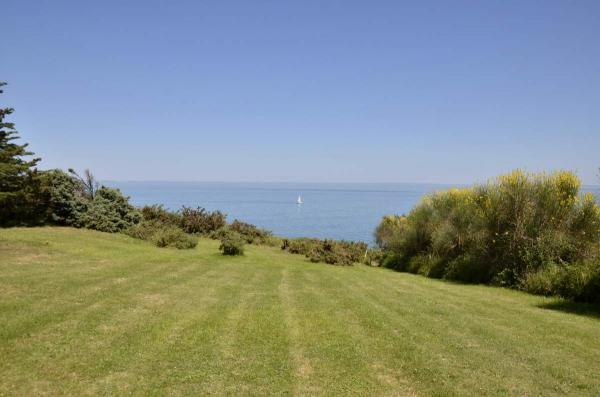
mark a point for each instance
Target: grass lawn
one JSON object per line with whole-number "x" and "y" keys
{"x": 83, "y": 313}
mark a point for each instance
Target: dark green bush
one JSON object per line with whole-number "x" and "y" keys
{"x": 109, "y": 211}
{"x": 466, "y": 269}
{"x": 394, "y": 261}
{"x": 506, "y": 232}
{"x": 199, "y": 221}
{"x": 232, "y": 243}
{"x": 424, "y": 264}
{"x": 28, "y": 206}
{"x": 172, "y": 236}
{"x": 66, "y": 204}
{"x": 580, "y": 281}
{"x": 589, "y": 291}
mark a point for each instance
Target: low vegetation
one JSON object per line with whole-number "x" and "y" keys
{"x": 232, "y": 243}
{"x": 199, "y": 221}
{"x": 333, "y": 252}
{"x": 175, "y": 229}
{"x": 251, "y": 233}
{"x": 90, "y": 313}
{"x": 534, "y": 232}
{"x": 171, "y": 236}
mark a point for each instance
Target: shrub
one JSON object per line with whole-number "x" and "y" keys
{"x": 328, "y": 251}
{"x": 465, "y": 268}
{"x": 199, "y": 221}
{"x": 65, "y": 203}
{"x": 143, "y": 230}
{"x": 161, "y": 235}
{"x": 250, "y": 233}
{"x": 373, "y": 257}
{"x": 505, "y": 232}
{"x": 300, "y": 245}
{"x": 394, "y": 261}
{"x": 219, "y": 233}
{"x": 172, "y": 236}
{"x": 580, "y": 281}
{"x": 109, "y": 211}
{"x": 232, "y": 243}
{"x": 389, "y": 227}
{"x": 272, "y": 241}
{"x": 424, "y": 264}
{"x": 589, "y": 290}
{"x": 157, "y": 213}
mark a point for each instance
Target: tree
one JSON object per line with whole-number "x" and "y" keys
{"x": 19, "y": 182}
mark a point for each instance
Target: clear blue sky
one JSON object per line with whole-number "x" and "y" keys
{"x": 323, "y": 91}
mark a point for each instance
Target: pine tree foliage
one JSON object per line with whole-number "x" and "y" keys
{"x": 18, "y": 174}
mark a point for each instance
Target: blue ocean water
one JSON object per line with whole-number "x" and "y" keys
{"x": 340, "y": 211}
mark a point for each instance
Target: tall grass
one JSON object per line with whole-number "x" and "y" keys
{"x": 531, "y": 231}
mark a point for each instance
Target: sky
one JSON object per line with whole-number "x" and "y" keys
{"x": 305, "y": 91}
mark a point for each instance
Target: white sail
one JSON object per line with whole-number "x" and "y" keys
{"x": 299, "y": 201}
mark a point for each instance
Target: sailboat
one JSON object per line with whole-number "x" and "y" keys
{"x": 299, "y": 201}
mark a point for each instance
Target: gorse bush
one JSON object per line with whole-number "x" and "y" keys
{"x": 158, "y": 220}
{"x": 219, "y": 233}
{"x": 301, "y": 245}
{"x": 250, "y": 233}
{"x": 333, "y": 252}
{"x": 161, "y": 234}
{"x": 172, "y": 236}
{"x": 337, "y": 252}
{"x": 510, "y": 231}
{"x": 199, "y": 221}
{"x": 144, "y": 230}
{"x": 157, "y": 213}
{"x": 232, "y": 243}
{"x": 388, "y": 229}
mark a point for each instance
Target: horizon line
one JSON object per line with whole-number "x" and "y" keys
{"x": 307, "y": 182}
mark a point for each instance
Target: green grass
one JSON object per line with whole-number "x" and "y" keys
{"x": 84, "y": 313}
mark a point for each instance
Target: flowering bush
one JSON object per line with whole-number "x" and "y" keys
{"x": 502, "y": 232}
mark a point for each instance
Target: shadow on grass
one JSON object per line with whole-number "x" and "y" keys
{"x": 583, "y": 309}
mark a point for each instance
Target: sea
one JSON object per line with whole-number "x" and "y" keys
{"x": 345, "y": 211}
